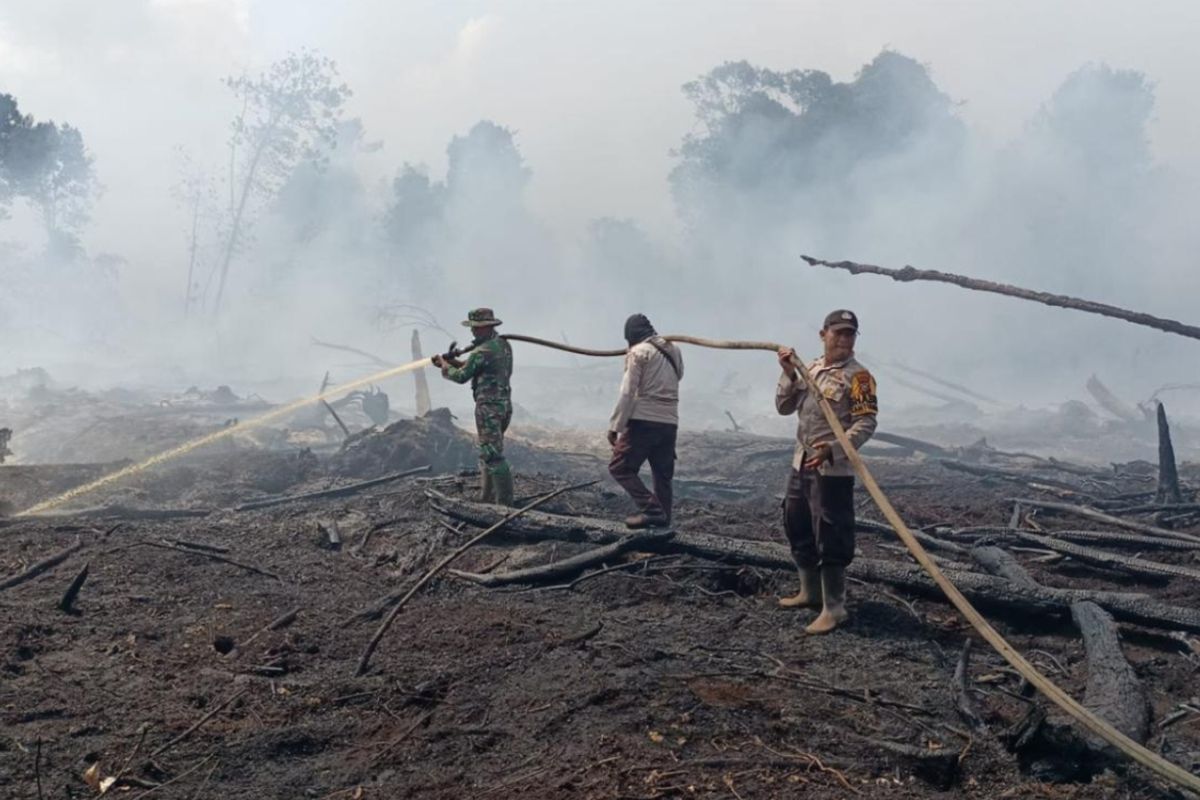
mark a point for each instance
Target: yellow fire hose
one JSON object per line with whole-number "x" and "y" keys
{"x": 1090, "y": 721}
{"x": 1086, "y": 718}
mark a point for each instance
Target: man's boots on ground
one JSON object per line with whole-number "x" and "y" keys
{"x": 647, "y": 519}
{"x": 502, "y": 481}
{"x": 833, "y": 590}
{"x": 809, "y": 595}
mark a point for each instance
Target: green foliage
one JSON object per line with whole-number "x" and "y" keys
{"x": 47, "y": 165}
{"x": 485, "y": 180}
{"x": 767, "y": 133}
{"x": 291, "y": 114}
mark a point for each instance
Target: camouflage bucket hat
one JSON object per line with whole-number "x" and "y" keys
{"x": 481, "y": 318}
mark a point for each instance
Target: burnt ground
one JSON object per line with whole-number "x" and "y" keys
{"x": 677, "y": 678}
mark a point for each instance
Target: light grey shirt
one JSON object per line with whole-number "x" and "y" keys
{"x": 649, "y": 387}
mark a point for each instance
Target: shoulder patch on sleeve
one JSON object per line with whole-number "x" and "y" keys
{"x": 862, "y": 395}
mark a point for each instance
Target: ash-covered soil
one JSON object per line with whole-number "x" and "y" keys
{"x": 675, "y": 677}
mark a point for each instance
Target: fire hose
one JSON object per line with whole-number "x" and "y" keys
{"x": 1085, "y": 717}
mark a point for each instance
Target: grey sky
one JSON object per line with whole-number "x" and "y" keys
{"x": 591, "y": 87}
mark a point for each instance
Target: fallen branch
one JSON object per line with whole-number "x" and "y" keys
{"x": 365, "y": 659}
{"x": 1111, "y": 538}
{"x": 931, "y": 542}
{"x": 196, "y": 726}
{"x": 1129, "y": 564}
{"x": 378, "y": 526}
{"x": 1058, "y": 300}
{"x": 962, "y": 691}
{"x": 1113, "y": 688}
{"x": 336, "y": 418}
{"x": 895, "y": 378}
{"x": 939, "y": 768}
{"x": 986, "y": 590}
{"x": 567, "y": 567}
{"x": 178, "y": 777}
{"x": 1155, "y": 508}
{"x": 41, "y": 566}
{"x": 947, "y": 384}
{"x": 628, "y": 565}
{"x": 212, "y": 556}
{"x": 1002, "y": 564}
{"x": 125, "y": 512}
{"x": 387, "y": 748}
{"x": 912, "y": 444}
{"x": 340, "y": 491}
{"x": 68, "y": 599}
{"x": 1108, "y": 519}
{"x": 1110, "y": 402}
{"x": 274, "y": 625}
{"x": 1036, "y": 482}
{"x": 369, "y": 356}
{"x": 211, "y": 548}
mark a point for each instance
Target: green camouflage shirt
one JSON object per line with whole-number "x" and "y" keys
{"x": 488, "y": 368}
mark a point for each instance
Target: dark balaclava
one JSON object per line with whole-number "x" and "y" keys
{"x": 638, "y": 329}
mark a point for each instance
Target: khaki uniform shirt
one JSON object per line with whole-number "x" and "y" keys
{"x": 650, "y": 386}
{"x": 850, "y": 390}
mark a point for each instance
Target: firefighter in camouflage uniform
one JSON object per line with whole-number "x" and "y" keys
{"x": 488, "y": 367}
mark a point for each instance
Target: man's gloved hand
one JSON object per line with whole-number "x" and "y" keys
{"x": 823, "y": 453}
{"x": 612, "y": 438}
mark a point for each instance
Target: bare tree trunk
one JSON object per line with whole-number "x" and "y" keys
{"x": 1113, "y": 688}
{"x": 187, "y": 296}
{"x": 423, "y": 402}
{"x": 1109, "y": 401}
{"x": 235, "y": 228}
{"x": 1168, "y": 475}
{"x": 1062, "y": 301}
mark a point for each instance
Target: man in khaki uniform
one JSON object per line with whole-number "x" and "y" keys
{"x": 818, "y": 508}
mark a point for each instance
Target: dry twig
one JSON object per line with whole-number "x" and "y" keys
{"x": 365, "y": 659}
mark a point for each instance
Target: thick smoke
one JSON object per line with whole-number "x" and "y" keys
{"x": 344, "y": 241}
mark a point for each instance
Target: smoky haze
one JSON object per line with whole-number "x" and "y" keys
{"x": 568, "y": 164}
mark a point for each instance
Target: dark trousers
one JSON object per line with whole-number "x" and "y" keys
{"x": 818, "y": 517}
{"x": 646, "y": 441}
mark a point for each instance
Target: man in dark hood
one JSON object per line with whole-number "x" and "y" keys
{"x": 646, "y": 420}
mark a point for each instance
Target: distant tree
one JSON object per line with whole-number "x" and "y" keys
{"x": 318, "y": 196}
{"x": 619, "y": 255}
{"x": 413, "y": 225}
{"x": 485, "y": 170}
{"x": 11, "y": 123}
{"x": 477, "y": 214}
{"x": 1077, "y": 189}
{"x": 290, "y": 114}
{"x": 1098, "y": 118}
{"x": 769, "y": 134}
{"x": 47, "y": 165}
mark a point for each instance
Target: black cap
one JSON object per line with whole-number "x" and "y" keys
{"x": 638, "y": 329}
{"x": 841, "y": 319}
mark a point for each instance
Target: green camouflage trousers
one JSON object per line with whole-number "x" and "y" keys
{"x": 491, "y": 421}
